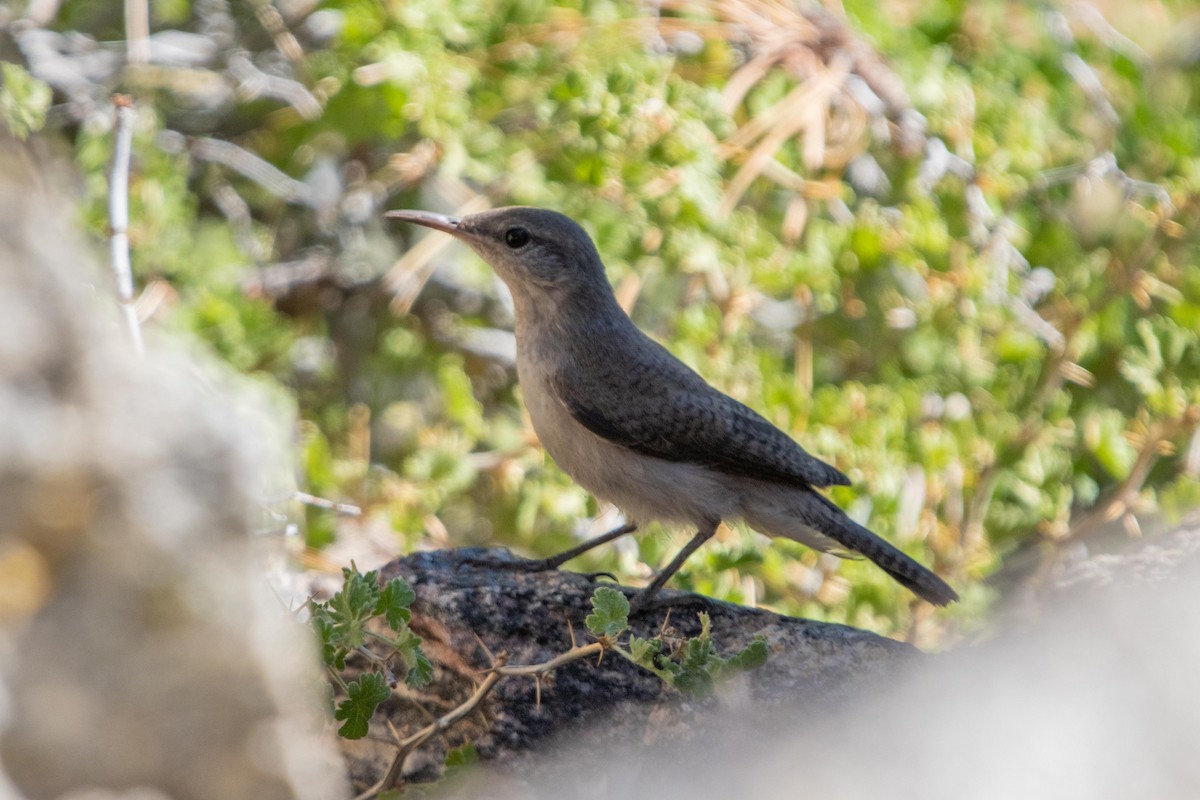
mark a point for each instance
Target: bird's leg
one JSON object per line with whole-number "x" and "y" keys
{"x": 645, "y": 595}
{"x": 554, "y": 562}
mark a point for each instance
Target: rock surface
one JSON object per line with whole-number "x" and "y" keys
{"x": 471, "y": 598}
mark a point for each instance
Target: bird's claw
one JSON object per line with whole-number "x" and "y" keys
{"x": 643, "y": 602}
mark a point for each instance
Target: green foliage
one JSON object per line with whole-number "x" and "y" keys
{"x": 24, "y": 100}
{"x": 690, "y": 665}
{"x": 343, "y": 625}
{"x": 463, "y": 756}
{"x": 986, "y": 351}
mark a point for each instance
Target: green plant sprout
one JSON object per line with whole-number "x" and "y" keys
{"x": 691, "y": 665}
{"x": 343, "y": 625}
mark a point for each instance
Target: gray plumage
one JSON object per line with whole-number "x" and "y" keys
{"x": 636, "y": 426}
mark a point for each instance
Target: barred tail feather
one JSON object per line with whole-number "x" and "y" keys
{"x": 832, "y": 521}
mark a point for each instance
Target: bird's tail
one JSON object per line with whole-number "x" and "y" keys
{"x": 813, "y": 519}
{"x": 830, "y": 520}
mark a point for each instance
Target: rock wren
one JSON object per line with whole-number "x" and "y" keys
{"x": 636, "y": 426}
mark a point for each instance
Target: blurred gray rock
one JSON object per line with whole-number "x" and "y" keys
{"x": 140, "y": 645}
{"x": 1093, "y": 698}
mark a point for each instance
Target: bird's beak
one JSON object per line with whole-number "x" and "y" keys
{"x": 439, "y": 222}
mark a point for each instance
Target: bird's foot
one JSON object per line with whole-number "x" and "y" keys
{"x": 595, "y": 576}
{"x": 647, "y": 599}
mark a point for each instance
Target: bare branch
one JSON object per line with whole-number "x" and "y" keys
{"x": 118, "y": 217}
{"x": 1105, "y": 166}
{"x": 254, "y": 83}
{"x": 272, "y": 21}
{"x": 1109, "y": 36}
{"x": 137, "y": 31}
{"x": 251, "y": 166}
{"x": 237, "y": 212}
{"x": 1121, "y": 499}
{"x": 1079, "y": 70}
{"x": 40, "y": 13}
{"x": 574, "y": 654}
{"x": 321, "y": 502}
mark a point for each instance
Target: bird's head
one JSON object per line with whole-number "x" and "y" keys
{"x": 541, "y": 255}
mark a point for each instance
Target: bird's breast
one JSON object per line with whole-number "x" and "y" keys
{"x": 644, "y": 487}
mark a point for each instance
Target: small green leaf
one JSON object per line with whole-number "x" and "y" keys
{"x": 664, "y": 667}
{"x": 648, "y": 654}
{"x": 363, "y": 697}
{"x": 421, "y": 671}
{"x": 705, "y": 625}
{"x": 643, "y": 651}
{"x": 394, "y": 602}
{"x": 331, "y": 654}
{"x": 419, "y": 667}
{"x": 694, "y": 682}
{"x": 753, "y": 656}
{"x": 611, "y": 613}
{"x": 697, "y": 654}
{"x": 462, "y": 756}
{"x": 350, "y": 608}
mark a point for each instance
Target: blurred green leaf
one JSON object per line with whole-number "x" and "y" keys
{"x": 24, "y": 100}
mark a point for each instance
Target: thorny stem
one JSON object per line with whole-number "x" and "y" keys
{"x": 337, "y": 678}
{"x": 497, "y": 672}
{"x": 380, "y": 637}
{"x": 574, "y": 654}
{"x": 371, "y": 657}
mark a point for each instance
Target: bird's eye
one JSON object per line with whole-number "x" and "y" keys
{"x": 516, "y": 238}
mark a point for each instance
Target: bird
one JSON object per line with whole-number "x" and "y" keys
{"x": 638, "y": 428}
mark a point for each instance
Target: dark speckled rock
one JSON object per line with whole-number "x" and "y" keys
{"x": 468, "y": 593}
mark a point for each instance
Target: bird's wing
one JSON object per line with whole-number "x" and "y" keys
{"x": 658, "y": 407}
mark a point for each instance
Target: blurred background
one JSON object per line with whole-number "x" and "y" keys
{"x": 950, "y": 247}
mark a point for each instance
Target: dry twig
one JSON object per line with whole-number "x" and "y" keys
{"x": 321, "y": 502}
{"x": 254, "y": 83}
{"x": 497, "y": 672}
{"x": 272, "y": 21}
{"x": 1122, "y": 498}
